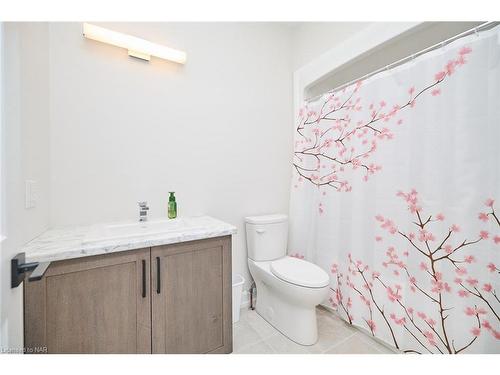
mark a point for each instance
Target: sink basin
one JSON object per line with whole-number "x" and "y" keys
{"x": 109, "y": 232}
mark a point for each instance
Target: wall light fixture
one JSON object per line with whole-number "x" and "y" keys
{"x": 136, "y": 47}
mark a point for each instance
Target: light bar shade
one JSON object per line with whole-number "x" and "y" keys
{"x": 136, "y": 47}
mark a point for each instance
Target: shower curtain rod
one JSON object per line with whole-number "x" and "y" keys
{"x": 476, "y": 29}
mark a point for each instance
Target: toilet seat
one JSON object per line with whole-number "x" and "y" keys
{"x": 299, "y": 272}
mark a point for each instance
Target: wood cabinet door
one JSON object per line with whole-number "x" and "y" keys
{"x": 191, "y": 297}
{"x": 97, "y": 304}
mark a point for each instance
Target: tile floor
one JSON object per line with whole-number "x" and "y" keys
{"x": 253, "y": 335}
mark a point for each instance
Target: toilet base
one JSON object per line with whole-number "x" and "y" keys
{"x": 289, "y": 308}
{"x": 305, "y": 333}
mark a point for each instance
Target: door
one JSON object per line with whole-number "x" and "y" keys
{"x": 98, "y": 304}
{"x": 191, "y": 297}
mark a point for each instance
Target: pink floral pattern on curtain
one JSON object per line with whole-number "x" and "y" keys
{"x": 425, "y": 278}
{"x": 425, "y": 248}
{"x": 324, "y": 147}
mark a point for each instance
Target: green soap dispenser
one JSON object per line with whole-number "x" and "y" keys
{"x": 172, "y": 206}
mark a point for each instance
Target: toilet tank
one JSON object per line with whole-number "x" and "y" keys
{"x": 266, "y": 236}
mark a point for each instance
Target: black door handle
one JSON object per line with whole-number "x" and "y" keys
{"x": 158, "y": 277}
{"x": 143, "y": 278}
{"x": 18, "y": 268}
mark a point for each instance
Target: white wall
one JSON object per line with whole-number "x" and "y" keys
{"x": 216, "y": 131}
{"x": 25, "y": 155}
{"x": 2, "y": 185}
{"x": 312, "y": 39}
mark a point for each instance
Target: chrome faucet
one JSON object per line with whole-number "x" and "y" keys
{"x": 143, "y": 211}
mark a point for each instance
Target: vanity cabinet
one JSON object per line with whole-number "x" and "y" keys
{"x": 91, "y": 305}
{"x": 191, "y": 298}
{"x": 166, "y": 299}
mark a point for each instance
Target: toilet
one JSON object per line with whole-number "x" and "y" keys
{"x": 288, "y": 289}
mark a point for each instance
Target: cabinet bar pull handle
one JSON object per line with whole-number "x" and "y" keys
{"x": 143, "y": 278}
{"x": 158, "y": 278}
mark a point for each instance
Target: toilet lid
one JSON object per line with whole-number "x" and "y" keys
{"x": 300, "y": 272}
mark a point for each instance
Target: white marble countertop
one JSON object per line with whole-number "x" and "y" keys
{"x": 77, "y": 242}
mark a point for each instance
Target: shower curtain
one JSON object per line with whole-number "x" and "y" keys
{"x": 396, "y": 193}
